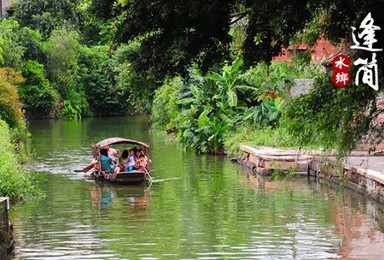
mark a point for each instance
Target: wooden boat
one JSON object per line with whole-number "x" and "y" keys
{"x": 134, "y": 176}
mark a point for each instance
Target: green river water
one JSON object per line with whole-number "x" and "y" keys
{"x": 200, "y": 206}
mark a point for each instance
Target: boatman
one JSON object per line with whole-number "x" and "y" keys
{"x": 112, "y": 152}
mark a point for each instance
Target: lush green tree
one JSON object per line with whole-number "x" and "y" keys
{"x": 47, "y": 15}
{"x": 62, "y": 50}
{"x": 271, "y": 24}
{"x": 172, "y": 34}
{"x": 95, "y": 30}
{"x": 339, "y": 117}
{"x": 31, "y": 40}
{"x": 175, "y": 35}
{"x": 134, "y": 89}
{"x": 13, "y": 51}
{"x": 19, "y": 43}
{"x": 102, "y": 98}
{"x": 187, "y": 28}
{"x": 165, "y": 110}
{"x": 36, "y": 93}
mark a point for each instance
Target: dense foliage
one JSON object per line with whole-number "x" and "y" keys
{"x": 206, "y": 109}
{"x": 14, "y": 181}
{"x": 10, "y": 109}
{"x": 175, "y": 35}
{"x": 99, "y": 92}
{"x": 36, "y": 92}
{"x": 164, "y": 108}
{"x": 204, "y": 64}
{"x": 133, "y": 89}
{"x": 63, "y": 52}
{"x": 47, "y": 15}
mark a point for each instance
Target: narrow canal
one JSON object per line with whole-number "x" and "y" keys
{"x": 201, "y": 207}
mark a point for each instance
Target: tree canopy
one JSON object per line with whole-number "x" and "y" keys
{"x": 176, "y": 34}
{"x": 46, "y": 15}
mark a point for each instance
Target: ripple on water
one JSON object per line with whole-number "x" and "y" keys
{"x": 201, "y": 207}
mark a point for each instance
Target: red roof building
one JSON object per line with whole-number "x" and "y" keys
{"x": 322, "y": 51}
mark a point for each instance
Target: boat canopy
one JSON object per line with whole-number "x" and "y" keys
{"x": 116, "y": 140}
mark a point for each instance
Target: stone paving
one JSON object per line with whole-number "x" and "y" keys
{"x": 375, "y": 163}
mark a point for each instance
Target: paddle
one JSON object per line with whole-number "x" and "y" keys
{"x": 149, "y": 175}
{"x": 85, "y": 169}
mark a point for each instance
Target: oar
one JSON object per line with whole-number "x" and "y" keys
{"x": 85, "y": 169}
{"x": 149, "y": 175}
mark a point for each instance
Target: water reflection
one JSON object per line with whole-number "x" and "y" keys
{"x": 358, "y": 222}
{"x": 105, "y": 195}
{"x": 205, "y": 208}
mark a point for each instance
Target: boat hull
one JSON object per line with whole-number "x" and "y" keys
{"x": 121, "y": 177}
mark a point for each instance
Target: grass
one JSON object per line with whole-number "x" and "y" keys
{"x": 257, "y": 136}
{"x": 15, "y": 182}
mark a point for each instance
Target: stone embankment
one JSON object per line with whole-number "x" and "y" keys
{"x": 362, "y": 171}
{"x": 6, "y": 239}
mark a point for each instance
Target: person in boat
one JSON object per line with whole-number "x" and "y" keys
{"x": 107, "y": 164}
{"x": 95, "y": 161}
{"x": 112, "y": 152}
{"x": 137, "y": 153}
{"x": 123, "y": 160}
{"x": 146, "y": 157}
{"x": 141, "y": 163}
{"x": 131, "y": 161}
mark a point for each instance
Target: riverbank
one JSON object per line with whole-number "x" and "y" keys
{"x": 15, "y": 182}
{"x": 6, "y": 235}
{"x": 361, "y": 171}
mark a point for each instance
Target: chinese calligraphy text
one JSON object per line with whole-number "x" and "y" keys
{"x": 363, "y": 39}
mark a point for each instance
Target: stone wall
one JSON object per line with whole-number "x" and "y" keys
{"x": 301, "y": 87}
{"x": 5, "y": 242}
{"x": 365, "y": 181}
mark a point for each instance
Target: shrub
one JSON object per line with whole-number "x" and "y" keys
{"x": 10, "y": 109}
{"x": 206, "y": 134}
{"x": 267, "y": 113}
{"x": 14, "y": 181}
{"x": 214, "y": 104}
{"x": 164, "y": 107}
{"x": 75, "y": 106}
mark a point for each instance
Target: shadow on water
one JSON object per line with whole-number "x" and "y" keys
{"x": 201, "y": 207}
